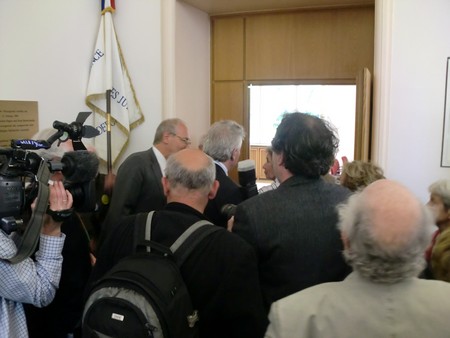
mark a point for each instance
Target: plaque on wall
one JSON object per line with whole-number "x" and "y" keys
{"x": 18, "y": 120}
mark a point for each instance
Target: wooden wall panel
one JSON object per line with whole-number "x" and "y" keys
{"x": 228, "y": 104}
{"x": 228, "y": 48}
{"x": 254, "y": 155}
{"x": 228, "y": 101}
{"x": 325, "y": 44}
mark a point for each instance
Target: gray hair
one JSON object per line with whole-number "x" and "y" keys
{"x": 373, "y": 260}
{"x": 168, "y": 126}
{"x": 222, "y": 138}
{"x": 201, "y": 179}
{"x": 442, "y": 189}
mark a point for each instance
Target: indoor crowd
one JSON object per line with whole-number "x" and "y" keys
{"x": 314, "y": 254}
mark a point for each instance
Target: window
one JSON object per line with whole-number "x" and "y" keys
{"x": 335, "y": 103}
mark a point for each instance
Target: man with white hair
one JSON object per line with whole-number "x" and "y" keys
{"x": 223, "y": 143}
{"x": 385, "y": 230}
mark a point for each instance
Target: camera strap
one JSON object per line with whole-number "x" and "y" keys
{"x": 32, "y": 232}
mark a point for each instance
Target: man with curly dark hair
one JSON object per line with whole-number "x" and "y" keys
{"x": 293, "y": 228}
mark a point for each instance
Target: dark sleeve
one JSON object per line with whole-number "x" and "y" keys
{"x": 127, "y": 189}
{"x": 243, "y": 226}
{"x": 118, "y": 244}
{"x": 230, "y": 193}
{"x": 243, "y": 308}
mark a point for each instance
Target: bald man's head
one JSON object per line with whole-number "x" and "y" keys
{"x": 385, "y": 229}
{"x": 395, "y": 212}
{"x": 191, "y": 169}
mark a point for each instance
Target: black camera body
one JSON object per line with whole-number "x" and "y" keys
{"x": 18, "y": 184}
{"x": 25, "y": 177}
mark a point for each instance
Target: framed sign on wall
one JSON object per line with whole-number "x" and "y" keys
{"x": 445, "y": 155}
{"x": 18, "y": 120}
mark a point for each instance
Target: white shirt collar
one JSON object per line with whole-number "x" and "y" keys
{"x": 161, "y": 160}
{"x": 220, "y": 164}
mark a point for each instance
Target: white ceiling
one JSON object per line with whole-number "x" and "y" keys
{"x": 216, "y": 7}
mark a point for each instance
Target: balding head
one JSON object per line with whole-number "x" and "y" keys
{"x": 395, "y": 213}
{"x": 385, "y": 231}
{"x": 190, "y": 178}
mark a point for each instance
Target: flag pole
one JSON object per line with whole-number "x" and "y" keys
{"x": 108, "y": 131}
{"x": 110, "y": 177}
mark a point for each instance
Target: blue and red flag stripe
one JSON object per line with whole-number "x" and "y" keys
{"x": 108, "y": 3}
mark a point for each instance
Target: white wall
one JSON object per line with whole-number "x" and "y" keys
{"x": 46, "y": 49}
{"x": 409, "y": 90}
{"x": 192, "y": 69}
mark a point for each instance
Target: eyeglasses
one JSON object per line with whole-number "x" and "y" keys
{"x": 186, "y": 140}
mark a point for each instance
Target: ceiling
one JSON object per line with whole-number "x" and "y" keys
{"x": 217, "y": 7}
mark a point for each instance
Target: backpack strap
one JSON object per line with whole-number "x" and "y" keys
{"x": 142, "y": 235}
{"x": 189, "y": 239}
{"x": 184, "y": 244}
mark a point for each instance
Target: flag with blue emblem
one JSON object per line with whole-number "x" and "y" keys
{"x": 110, "y": 93}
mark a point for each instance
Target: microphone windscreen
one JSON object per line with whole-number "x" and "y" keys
{"x": 246, "y": 172}
{"x": 246, "y": 165}
{"x": 79, "y": 166}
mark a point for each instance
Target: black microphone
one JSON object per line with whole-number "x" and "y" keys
{"x": 30, "y": 144}
{"x": 247, "y": 178}
{"x": 77, "y": 166}
{"x": 74, "y": 129}
{"x": 228, "y": 210}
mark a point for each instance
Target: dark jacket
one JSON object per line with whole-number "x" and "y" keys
{"x": 63, "y": 315}
{"x": 293, "y": 230}
{"x": 228, "y": 193}
{"x": 221, "y": 274}
{"x": 138, "y": 188}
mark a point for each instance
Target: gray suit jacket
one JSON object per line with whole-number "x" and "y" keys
{"x": 138, "y": 188}
{"x": 356, "y": 307}
{"x": 293, "y": 230}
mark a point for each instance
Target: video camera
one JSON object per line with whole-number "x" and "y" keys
{"x": 19, "y": 166}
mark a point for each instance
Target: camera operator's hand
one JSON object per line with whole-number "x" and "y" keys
{"x": 60, "y": 200}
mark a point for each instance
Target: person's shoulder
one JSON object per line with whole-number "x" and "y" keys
{"x": 138, "y": 156}
{"x": 121, "y": 232}
{"x": 227, "y": 239}
{"x": 136, "y": 161}
{"x": 312, "y": 296}
{"x": 432, "y": 285}
{"x": 336, "y": 189}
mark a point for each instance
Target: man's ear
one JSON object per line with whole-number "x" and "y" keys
{"x": 165, "y": 137}
{"x": 166, "y": 185}
{"x": 233, "y": 154}
{"x": 213, "y": 191}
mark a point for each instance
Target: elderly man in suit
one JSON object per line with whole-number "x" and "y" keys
{"x": 293, "y": 228}
{"x": 223, "y": 143}
{"x": 385, "y": 230}
{"x": 138, "y": 186}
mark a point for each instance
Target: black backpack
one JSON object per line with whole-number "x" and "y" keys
{"x": 144, "y": 294}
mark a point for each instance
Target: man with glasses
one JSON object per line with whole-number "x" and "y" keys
{"x": 138, "y": 186}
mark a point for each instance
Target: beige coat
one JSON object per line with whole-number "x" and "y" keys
{"x": 358, "y": 308}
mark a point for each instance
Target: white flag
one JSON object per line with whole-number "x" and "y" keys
{"x": 109, "y": 72}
